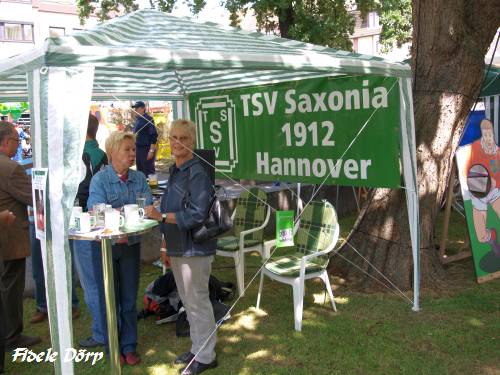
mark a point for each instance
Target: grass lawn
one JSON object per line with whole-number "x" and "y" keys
{"x": 456, "y": 332}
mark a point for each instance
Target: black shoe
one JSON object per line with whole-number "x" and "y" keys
{"x": 198, "y": 367}
{"x": 89, "y": 342}
{"x": 21, "y": 341}
{"x": 184, "y": 358}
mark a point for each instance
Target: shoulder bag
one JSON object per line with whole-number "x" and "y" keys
{"x": 217, "y": 222}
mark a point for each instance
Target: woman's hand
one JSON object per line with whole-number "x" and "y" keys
{"x": 165, "y": 259}
{"x": 152, "y": 213}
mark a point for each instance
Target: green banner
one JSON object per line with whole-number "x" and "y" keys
{"x": 299, "y": 131}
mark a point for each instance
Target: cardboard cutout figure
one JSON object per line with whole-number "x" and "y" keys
{"x": 479, "y": 166}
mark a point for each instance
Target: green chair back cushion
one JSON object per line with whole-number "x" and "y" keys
{"x": 250, "y": 213}
{"x": 317, "y": 227}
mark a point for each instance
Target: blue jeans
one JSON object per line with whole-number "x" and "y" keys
{"x": 88, "y": 260}
{"x": 39, "y": 277}
{"x": 126, "y": 268}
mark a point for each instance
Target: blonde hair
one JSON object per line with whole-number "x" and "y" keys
{"x": 187, "y": 125}
{"x": 115, "y": 140}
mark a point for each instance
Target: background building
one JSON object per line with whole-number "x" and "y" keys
{"x": 366, "y": 37}
{"x": 27, "y": 23}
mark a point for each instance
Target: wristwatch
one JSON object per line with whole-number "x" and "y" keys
{"x": 163, "y": 218}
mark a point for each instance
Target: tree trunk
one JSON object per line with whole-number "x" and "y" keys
{"x": 450, "y": 40}
{"x": 286, "y": 18}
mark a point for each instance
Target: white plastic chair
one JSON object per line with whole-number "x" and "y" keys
{"x": 313, "y": 240}
{"x": 250, "y": 217}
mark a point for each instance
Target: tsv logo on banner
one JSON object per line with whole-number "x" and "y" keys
{"x": 216, "y": 129}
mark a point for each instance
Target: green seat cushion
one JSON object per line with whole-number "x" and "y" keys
{"x": 232, "y": 243}
{"x": 289, "y": 265}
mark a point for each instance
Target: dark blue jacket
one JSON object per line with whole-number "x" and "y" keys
{"x": 145, "y": 131}
{"x": 188, "y": 194}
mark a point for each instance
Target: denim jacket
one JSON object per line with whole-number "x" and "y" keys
{"x": 188, "y": 195}
{"x": 106, "y": 187}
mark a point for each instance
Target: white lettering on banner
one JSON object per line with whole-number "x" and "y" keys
{"x": 258, "y": 107}
{"x": 302, "y": 133}
{"x": 336, "y": 100}
{"x": 302, "y": 167}
{"x": 244, "y": 98}
{"x": 215, "y": 133}
{"x": 271, "y": 103}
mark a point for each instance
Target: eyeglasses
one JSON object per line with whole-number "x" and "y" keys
{"x": 182, "y": 139}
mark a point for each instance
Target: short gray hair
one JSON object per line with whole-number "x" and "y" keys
{"x": 6, "y": 130}
{"x": 188, "y": 125}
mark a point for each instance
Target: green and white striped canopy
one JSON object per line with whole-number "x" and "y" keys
{"x": 150, "y": 54}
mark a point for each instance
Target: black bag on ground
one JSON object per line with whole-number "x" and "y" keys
{"x": 161, "y": 299}
{"x": 218, "y": 221}
{"x": 220, "y": 290}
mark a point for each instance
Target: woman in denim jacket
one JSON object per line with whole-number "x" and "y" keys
{"x": 118, "y": 185}
{"x": 185, "y": 206}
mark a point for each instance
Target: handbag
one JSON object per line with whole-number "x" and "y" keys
{"x": 216, "y": 223}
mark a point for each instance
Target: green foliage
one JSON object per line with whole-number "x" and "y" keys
{"x": 107, "y": 8}
{"x": 396, "y": 21}
{"x": 323, "y": 22}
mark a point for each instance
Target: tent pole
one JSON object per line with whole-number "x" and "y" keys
{"x": 409, "y": 164}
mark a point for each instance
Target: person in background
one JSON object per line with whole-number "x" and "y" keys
{"x": 119, "y": 185}
{"x": 39, "y": 278}
{"x": 15, "y": 196}
{"x": 146, "y": 138}
{"x": 7, "y": 218}
{"x": 184, "y": 206}
{"x": 18, "y": 156}
{"x": 87, "y": 254}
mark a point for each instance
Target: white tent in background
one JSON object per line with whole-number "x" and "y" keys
{"x": 152, "y": 55}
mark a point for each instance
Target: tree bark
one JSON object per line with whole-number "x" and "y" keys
{"x": 286, "y": 18}
{"x": 450, "y": 40}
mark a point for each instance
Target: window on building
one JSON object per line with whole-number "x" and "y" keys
{"x": 371, "y": 20}
{"x": 55, "y": 32}
{"x": 365, "y": 22}
{"x": 16, "y": 32}
{"x": 28, "y": 32}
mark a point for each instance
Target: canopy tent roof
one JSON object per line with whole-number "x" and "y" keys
{"x": 150, "y": 54}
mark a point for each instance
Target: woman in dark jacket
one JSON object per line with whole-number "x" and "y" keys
{"x": 184, "y": 206}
